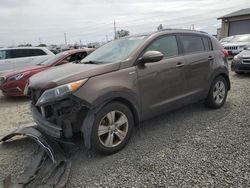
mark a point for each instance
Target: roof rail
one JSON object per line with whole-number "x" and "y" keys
{"x": 169, "y": 29}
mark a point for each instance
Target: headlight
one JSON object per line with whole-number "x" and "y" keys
{"x": 18, "y": 76}
{"x": 59, "y": 92}
{"x": 236, "y": 58}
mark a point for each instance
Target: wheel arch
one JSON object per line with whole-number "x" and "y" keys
{"x": 123, "y": 97}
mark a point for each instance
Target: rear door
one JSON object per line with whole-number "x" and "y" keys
{"x": 162, "y": 83}
{"x": 199, "y": 58}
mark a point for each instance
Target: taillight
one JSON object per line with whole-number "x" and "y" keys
{"x": 225, "y": 52}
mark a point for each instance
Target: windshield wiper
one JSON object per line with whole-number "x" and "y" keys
{"x": 92, "y": 62}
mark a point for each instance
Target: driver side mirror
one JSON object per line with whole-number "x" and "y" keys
{"x": 62, "y": 62}
{"x": 151, "y": 57}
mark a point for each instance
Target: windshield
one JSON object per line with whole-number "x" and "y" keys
{"x": 241, "y": 38}
{"x": 52, "y": 59}
{"x": 115, "y": 51}
{"x": 227, "y": 39}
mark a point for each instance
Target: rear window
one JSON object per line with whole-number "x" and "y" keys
{"x": 192, "y": 44}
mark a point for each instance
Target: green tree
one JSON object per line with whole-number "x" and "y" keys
{"x": 42, "y": 45}
{"x": 122, "y": 33}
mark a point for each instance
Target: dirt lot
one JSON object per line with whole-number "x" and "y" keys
{"x": 191, "y": 147}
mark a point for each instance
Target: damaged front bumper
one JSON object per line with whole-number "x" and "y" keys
{"x": 60, "y": 119}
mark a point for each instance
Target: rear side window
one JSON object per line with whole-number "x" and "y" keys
{"x": 166, "y": 45}
{"x": 36, "y": 52}
{"x": 206, "y": 43}
{"x": 192, "y": 44}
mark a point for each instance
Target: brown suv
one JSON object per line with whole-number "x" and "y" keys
{"x": 126, "y": 81}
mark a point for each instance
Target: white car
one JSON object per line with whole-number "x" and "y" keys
{"x": 16, "y": 58}
{"x": 237, "y": 44}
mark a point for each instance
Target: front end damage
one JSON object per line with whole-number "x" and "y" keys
{"x": 57, "y": 122}
{"x": 60, "y": 119}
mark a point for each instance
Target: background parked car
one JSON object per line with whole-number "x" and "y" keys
{"x": 15, "y": 58}
{"x": 241, "y": 62}
{"x": 15, "y": 83}
{"x": 226, "y": 40}
{"x": 237, "y": 44}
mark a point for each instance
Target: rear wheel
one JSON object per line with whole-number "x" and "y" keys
{"x": 218, "y": 93}
{"x": 112, "y": 128}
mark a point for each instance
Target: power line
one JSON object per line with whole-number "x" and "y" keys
{"x": 115, "y": 37}
{"x": 65, "y": 38}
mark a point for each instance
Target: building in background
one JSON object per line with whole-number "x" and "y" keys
{"x": 235, "y": 23}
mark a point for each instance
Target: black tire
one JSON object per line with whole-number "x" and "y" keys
{"x": 95, "y": 140}
{"x": 237, "y": 72}
{"x": 210, "y": 100}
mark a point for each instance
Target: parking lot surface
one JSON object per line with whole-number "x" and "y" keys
{"x": 193, "y": 146}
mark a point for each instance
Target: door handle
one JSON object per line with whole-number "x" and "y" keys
{"x": 210, "y": 58}
{"x": 180, "y": 64}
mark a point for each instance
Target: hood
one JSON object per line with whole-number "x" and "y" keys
{"x": 244, "y": 54}
{"x": 26, "y": 69}
{"x": 68, "y": 73}
{"x": 236, "y": 44}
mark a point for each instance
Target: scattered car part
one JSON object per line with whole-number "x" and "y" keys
{"x": 48, "y": 168}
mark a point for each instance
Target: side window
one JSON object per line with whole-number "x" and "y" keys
{"x": 3, "y": 54}
{"x": 37, "y": 52}
{"x": 192, "y": 44}
{"x": 166, "y": 45}
{"x": 206, "y": 43}
{"x": 18, "y": 53}
{"x": 69, "y": 58}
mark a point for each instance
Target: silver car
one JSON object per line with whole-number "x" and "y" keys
{"x": 16, "y": 58}
{"x": 237, "y": 44}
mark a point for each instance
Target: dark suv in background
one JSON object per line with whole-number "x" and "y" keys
{"x": 126, "y": 81}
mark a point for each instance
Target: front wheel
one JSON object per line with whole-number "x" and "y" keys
{"x": 112, "y": 128}
{"x": 218, "y": 93}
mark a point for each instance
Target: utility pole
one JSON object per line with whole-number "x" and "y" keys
{"x": 115, "y": 30}
{"x": 39, "y": 40}
{"x": 65, "y": 38}
{"x": 192, "y": 26}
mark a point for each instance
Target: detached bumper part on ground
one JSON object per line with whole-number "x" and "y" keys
{"x": 40, "y": 170}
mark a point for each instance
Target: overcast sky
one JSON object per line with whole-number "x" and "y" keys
{"x": 25, "y": 21}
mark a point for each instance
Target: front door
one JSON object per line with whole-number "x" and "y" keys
{"x": 162, "y": 84}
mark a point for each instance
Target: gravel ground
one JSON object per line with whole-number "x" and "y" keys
{"x": 191, "y": 147}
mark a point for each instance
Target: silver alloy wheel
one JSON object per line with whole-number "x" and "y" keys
{"x": 113, "y": 129}
{"x": 219, "y": 92}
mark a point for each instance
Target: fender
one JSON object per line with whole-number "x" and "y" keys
{"x": 97, "y": 105}
{"x": 217, "y": 72}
